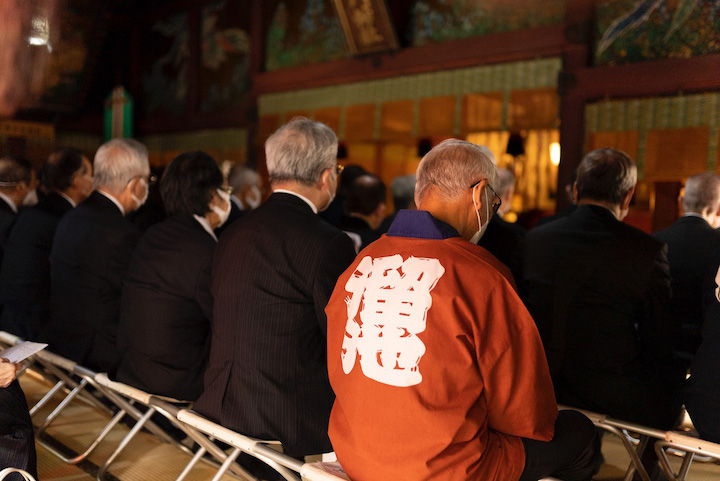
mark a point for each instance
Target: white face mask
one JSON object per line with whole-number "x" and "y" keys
{"x": 141, "y": 202}
{"x": 31, "y": 198}
{"x": 253, "y": 198}
{"x": 481, "y": 228}
{"x": 223, "y": 214}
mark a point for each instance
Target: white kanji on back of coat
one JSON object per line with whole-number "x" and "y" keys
{"x": 392, "y": 298}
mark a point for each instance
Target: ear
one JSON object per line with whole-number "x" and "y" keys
{"x": 575, "y": 192}
{"x": 626, "y": 200}
{"x": 325, "y": 179}
{"x": 477, "y": 193}
{"x": 380, "y": 210}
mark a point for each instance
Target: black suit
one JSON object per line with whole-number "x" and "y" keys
{"x": 273, "y": 273}
{"x": 504, "y": 240}
{"x": 25, "y": 276}
{"x": 164, "y": 331}
{"x": 599, "y": 291}
{"x": 90, "y": 254}
{"x": 702, "y": 393}
{"x": 691, "y": 243}
{"x": 358, "y": 226}
{"x": 7, "y": 218}
{"x": 17, "y": 446}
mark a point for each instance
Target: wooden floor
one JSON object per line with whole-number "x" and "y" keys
{"x": 147, "y": 458}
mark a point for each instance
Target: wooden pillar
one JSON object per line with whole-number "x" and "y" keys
{"x": 667, "y": 205}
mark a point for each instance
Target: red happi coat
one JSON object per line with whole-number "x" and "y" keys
{"x": 437, "y": 366}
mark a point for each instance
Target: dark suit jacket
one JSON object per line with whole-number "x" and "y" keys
{"x": 89, "y": 257}
{"x": 7, "y": 218}
{"x": 273, "y": 273}
{"x": 25, "y": 275}
{"x": 702, "y": 393}
{"x": 691, "y": 243}
{"x": 599, "y": 291}
{"x": 504, "y": 240}
{"x": 357, "y": 225}
{"x": 164, "y": 331}
{"x": 17, "y": 445}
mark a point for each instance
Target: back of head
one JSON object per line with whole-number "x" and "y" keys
{"x": 349, "y": 174}
{"x": 241, "y": 176}
{"x": 189, "y": 182}
{"x": 300, "y": 151}
{"x": 117, "y": 162}
{"x": 13, "y": 171}
{"x": 505, "y": 182}
{"x": 59, "y": 169}
{"x": 702, "y": 191}
{"x": 605, "y": 175}
{"x": 451, "y": 167}
{"x": 403, "y": 191}
{"x": 365, "y": 195}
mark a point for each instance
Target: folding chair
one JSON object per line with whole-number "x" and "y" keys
{"x": 239, "y": 442}
{"x": 620, "y": 428}
{"x": 125, "y": 397}
{"x": 8, "y": 340}
{"x": 65, "y": 370}
{"x": 685, "y": 444}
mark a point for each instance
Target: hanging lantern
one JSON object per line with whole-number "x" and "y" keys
{"x": 118, "y": 114}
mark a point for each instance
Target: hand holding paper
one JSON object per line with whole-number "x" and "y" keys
{"x": 22, "y": 351}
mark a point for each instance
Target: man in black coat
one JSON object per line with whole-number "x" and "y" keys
{"x": 599, "y": 291}
{"x": 364, "y": 210}
{"x": 504, "y": 239}
{"x": 90, "y": 255}
{"x": 15, "y": 180}
{"x": 25, "y": 275}
{"x": 273, "y": 273}
{"x": 166, "y": 312}
{"x": 691, "y": 241}
{"x": 17, "y": 446}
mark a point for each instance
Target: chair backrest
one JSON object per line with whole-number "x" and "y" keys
{"x": 9, "y": 339}
{"x": 57, "y": 361}
{"x": 323, "y": 472}
{"x": 121, "y": 388}
{"x": 8, "y": 471}
{"x": 219, "y": 432}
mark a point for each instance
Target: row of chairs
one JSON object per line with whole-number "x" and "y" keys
{"x": 75, "y": 382}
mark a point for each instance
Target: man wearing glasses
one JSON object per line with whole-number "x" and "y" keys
{"x": 438, "y": 368}
{"x": 91, "y": 252}
{"x": 273, "y": 272}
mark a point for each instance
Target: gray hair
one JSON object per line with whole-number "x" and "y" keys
{"x": 702, "y": 191}
{"x": 300, "y": 151}
{"x": 505, "y": 181}
{"x": 117, "y": 161}
{"x": 242, "y": 175}
{"x": 452, "y": 166}
{"x": 403, "y": 190}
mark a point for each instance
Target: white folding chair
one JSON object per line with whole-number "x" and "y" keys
{"x": 125, "y": 397}
{"x": 322, "y": 472}
{"x": 239, "y": 442}
{"x": 688, "y": 445}
{"x": 24, "y": 474}
{"x": 620, "y": 429}
{"x": 8, "y": 340}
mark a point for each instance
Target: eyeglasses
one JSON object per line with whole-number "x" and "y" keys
{"x": 151, "y": 180}
{"x": 228, "y": 189}
{"x": 339, "y": 169}
{"x": 495, "y": 205}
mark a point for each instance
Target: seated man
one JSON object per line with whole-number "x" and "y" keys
{"x": 90, "y": 255}
{"x": 25, "y": 275}
{"x": 166, "y": 309}
{"x": 17, "y": 446}
{"x": 702, "y": 392}
{"x": 364, "y": 209}
{"x": 691, "y": 241}
{"x": 437, "y": 367}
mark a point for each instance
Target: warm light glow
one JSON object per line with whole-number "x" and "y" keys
{"x": 555, "y": 153}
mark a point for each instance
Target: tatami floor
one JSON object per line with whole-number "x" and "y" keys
{"x": 147, "y": 458}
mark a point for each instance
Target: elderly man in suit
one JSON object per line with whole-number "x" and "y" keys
{"x": 164, "y": 332}
{"x": 15, "y": 181}
{"x": 599, "y": 291}
{"x": 691, "y": 241}
{"x": 90, "y": 255}
{"x": 25, "y": 275}
{"x": 273, "y": 272}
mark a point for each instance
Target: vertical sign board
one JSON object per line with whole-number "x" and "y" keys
{"x": 367, "y": 26}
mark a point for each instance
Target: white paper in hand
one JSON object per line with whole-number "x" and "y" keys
{"x": 22, "y": 351}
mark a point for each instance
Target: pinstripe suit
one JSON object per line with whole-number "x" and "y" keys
{"x": 17, "y": 447}
{"x": 273, "y": 273}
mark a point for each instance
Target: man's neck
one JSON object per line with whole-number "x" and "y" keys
{"x": 613, "y": 208}
{"x": 312, "y": 194}
{"x": 114, "y": 198}
{"x": 9, "y": 200}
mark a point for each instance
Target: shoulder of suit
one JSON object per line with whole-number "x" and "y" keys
{"x": 639, "y": 237}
